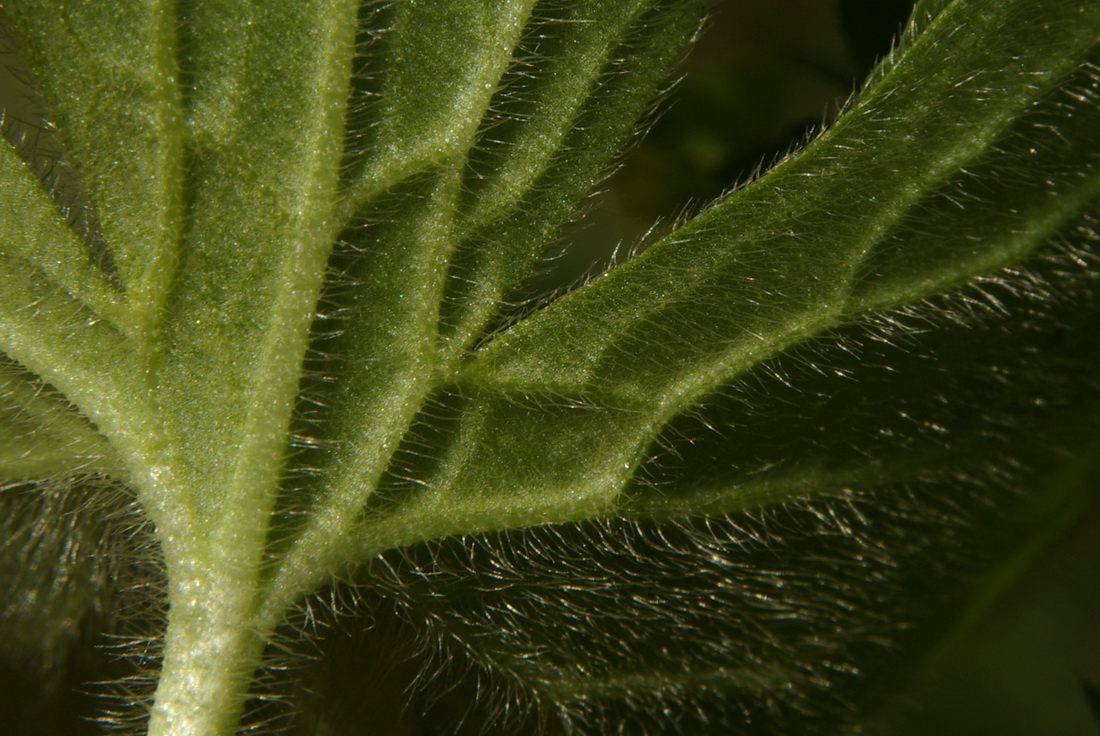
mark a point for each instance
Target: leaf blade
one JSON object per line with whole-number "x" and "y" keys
{"x": 572, "y": 357}
{"x": 44, "y": 437}
{"x": 567, "y": 404}
{"x": 108, "y": 75}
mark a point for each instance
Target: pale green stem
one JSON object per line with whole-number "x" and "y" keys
{"x": 211, "y": 651}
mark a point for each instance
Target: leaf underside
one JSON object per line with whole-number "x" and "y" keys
{"x": 256, "y": 269}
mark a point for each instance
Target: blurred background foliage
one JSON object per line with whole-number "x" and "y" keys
{"x": 763, "y": 77}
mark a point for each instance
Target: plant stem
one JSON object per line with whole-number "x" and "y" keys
{"x": 211, "y": 651}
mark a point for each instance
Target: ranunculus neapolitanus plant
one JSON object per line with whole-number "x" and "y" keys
{"x": 262, "y": 350}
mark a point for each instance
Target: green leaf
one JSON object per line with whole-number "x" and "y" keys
{"x": 43, "y": 436}
{"x": 442, "y": 66}
{"x": 256, "y": 268}
{"x": 1030, "y": 103}
{"x": 37, "y": 240}
{"x": 401, "y": 325}
{"x": 866, "y": 224}
{"x": 769, "y": 621}
{"x": 557, "y": 120}
{"x": 108, "y": 78}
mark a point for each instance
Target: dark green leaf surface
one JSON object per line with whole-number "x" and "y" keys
{"x": 255, "y": 268}
{"x": 43, "y": 436}
{"x": 115, "y": 97}
{"x": 844, "y": 233}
